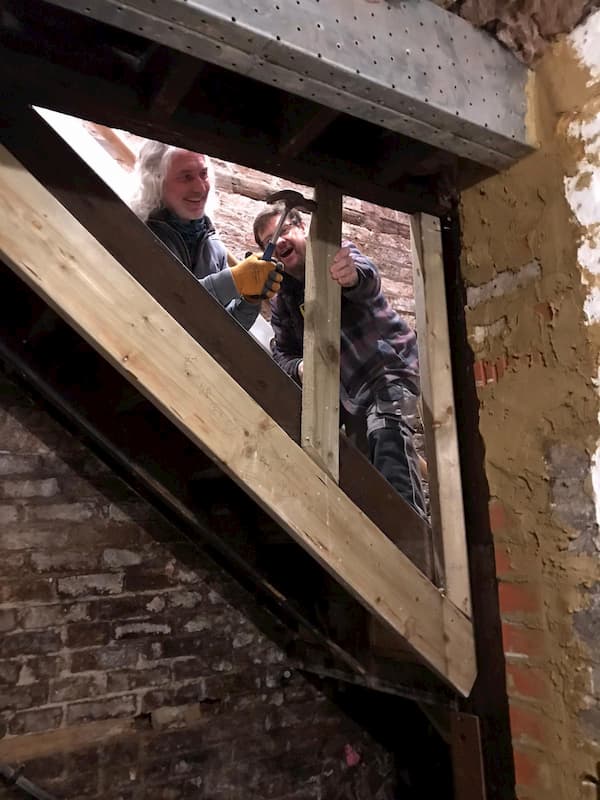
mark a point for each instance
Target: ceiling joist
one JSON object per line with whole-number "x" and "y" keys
{"x": 413, "y": 68}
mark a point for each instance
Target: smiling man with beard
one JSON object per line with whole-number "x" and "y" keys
{"x": 379, "y": 368}
{"x": 174, "y": 188}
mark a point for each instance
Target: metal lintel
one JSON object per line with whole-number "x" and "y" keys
{"x": 411, "y": 67}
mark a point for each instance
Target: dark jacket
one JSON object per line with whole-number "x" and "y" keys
{"x": 377, "y": 346}
{"x": 208, "y": 263}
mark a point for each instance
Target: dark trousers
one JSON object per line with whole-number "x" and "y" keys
{"x": 388, "y": 436}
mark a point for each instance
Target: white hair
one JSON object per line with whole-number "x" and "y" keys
{"x": 150, "y": 170}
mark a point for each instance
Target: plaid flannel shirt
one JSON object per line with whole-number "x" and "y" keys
{"x": 377, "y": 346}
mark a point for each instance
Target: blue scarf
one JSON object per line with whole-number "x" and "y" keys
{"x": 191, "y": 231}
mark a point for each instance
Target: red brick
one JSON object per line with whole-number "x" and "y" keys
{"x": 87, "y": 634}
{"x": 527, "y": 725}
{"x": 20, "y": 591}
{"x": 36, "y": 643}
{"x": 43, "y": 667}
{"x": 75, "y": 687}
{"x": 8, "y": 619}
{"x": 544, "y": 310}
{"x": 44, "y": 719}
{"x": 519, "y": 598}
{"x": 9, "y": 672}
{"x": 125, "y": 680}
{"x": 94, "y": 585}
{"x": 503, "y": 560}
{"x": 522, "y": 641}
{"x": 104, "y": 658}
{"x": 479, "y": 374}
{"x": 65, "y": 561}
{"x": 498, "y": 516}
{"x": 21, "y": 697}
{"x": 490, "y": 372}
{"x": 124, "y": 706}
{"x": 526, "y": 682}
{"x": 500, "y": 367}
{"x": 527, "y": 770}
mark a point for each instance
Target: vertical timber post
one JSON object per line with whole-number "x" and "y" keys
{"x": 437, "y": 393}
{"x": 322, "y": 314}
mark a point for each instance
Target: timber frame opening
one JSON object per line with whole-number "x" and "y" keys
{"x": 65, "y": 236}
{"x": 70, "y": 269}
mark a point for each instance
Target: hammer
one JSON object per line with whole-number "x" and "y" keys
{"x": 290, "y": 199}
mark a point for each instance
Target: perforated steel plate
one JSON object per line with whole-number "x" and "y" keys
{"x": 408, "y": 66}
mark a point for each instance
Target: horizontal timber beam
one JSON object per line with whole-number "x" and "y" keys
{"x": 61, "y": 261}
{"x": 29, "y": 80}
{"x": 77, "y": 187}
{"x": 411, "y": 67}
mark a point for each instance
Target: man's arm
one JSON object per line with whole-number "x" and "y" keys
{"x": 356, "y": 274}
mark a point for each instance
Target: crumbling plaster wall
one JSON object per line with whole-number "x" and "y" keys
{"x": 530, "y": 261}
{"x": 524, "y": 26}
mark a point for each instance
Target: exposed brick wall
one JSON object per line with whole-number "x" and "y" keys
{"x": 382, "y": 234}
{"x": 128, "y": 669}
{"x": 524, "y": 26}
{"x": 536, "y": 358}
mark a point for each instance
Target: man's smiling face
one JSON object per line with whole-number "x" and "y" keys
{"x": 290, "y": 247}
{"x": 186, "y": 185}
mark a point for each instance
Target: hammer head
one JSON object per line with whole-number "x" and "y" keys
{"x": 292, "y": 199}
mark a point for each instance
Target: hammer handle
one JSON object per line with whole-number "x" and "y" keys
{"x": 270, "y": 248}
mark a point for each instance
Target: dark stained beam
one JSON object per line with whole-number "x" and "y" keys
{"x": 171, "y": 75}
{"x": 214, "y": 516}
{"x": 398, "y": 156}
{"x": 428, "y": 81}
{"x": 214, "y": 130}
{"x": 304, "y": 133}
{"x": 467, "y": 758}
{"x": 113, "y": 145}
{"x": 489, "y": 698}
{"x": 91, "y": 201}
{"x": 156, "y": 459}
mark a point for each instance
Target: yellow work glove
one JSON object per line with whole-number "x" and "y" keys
{"x": 256, "y": 279}
{"x": 273, "y": 283}
{"x": 250, "y": 275}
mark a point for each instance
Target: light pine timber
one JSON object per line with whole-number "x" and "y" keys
{"x": 61, "y": 261}
{"x": 17, "y": 749}
{"x": 322, "y": 315}
{"x": 437, "y": 396}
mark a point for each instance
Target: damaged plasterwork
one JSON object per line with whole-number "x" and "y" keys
{"x": 583, "y": 190}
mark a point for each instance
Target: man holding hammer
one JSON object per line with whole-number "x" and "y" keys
{"x": 175, "y": 187}
{"x": 379, "y": 369}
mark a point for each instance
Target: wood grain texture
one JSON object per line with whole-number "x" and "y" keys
{"x": 77, "y": 187}
{"x": 61, "y": 261}
{"x": 437, "y": 393}
{"x": 322, "y": 317}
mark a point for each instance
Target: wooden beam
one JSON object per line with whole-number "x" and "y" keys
{"x": 467, "y": 757}
{"x": 155, "y": 458}
{"x": 62, "y": 262}
{"x": 18, "y": 749}
{"x": 489, "y": 698}
{"x": 322, "y": 316}
{"x": 215, "y": 130}
{"x": 305, "y": 132}
{"x": 399, "y": 157}
{"x": 113, "y": 144}
{"x": 437, "y": 392}
{"x": 178, "y": 77}
{"x": 91, "y": 201}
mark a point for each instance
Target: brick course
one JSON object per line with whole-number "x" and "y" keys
{"x": 102, "y": 625}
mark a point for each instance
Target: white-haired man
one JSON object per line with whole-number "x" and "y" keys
{"x": 174, "y": 188}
